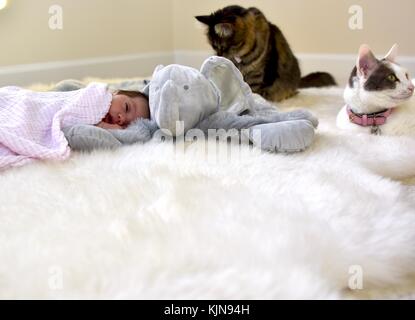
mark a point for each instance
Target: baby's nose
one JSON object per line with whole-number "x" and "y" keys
{"x": 121, "y": 120}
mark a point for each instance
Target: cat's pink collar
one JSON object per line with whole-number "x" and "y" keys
{"x": 369, "y": 120}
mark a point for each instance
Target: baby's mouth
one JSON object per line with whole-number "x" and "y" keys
{"x": 108, "y": 119}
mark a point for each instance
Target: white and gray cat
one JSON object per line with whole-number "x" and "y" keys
{"x": 378, "y": 96}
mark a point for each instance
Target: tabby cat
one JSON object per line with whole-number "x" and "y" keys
{"x": 260, "y": 51}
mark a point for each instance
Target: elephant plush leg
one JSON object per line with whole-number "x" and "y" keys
{"x": 227, "y": 121}
{"x": 288, "y": 136}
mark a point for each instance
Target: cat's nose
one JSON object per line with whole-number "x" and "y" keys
{"x": 411, "y": 88}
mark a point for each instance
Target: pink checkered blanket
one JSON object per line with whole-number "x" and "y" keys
{"x": 31, "y": 122}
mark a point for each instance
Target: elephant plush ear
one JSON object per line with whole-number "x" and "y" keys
{"x": 151, "y": 92}
{"x": 167, "y": 114}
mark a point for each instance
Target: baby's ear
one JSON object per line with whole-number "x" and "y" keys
{"x": 392, "y": 54}
{"x": 366, "y": 61}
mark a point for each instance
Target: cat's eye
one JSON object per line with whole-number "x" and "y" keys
{"x": 392, "y": 78}
{"x": 407, "y": 76}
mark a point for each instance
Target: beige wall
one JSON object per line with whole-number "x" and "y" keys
{"x": 94, "y": 28}
{"x": 313, "y": 26}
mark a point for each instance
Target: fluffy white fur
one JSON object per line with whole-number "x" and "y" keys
{"x": 402, "y": 120}
{"x": 143, "y": 222}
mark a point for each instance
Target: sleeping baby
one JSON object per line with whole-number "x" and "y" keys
{"x": 35, "y": 125}
{"x": 126, "y": 106}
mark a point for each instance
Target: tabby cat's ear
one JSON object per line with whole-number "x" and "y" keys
{"x": 254, "y": 11}
{"x": 207, "y": 20}
{"x": 366, "y": 61}
{"x": 392, "y": 54}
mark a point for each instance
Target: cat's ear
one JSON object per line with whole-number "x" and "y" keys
{"x": 392, "y": 54}
{"x": 254, "y": 11}
{"x": 366, "y": 61}
{"x": 207, "y": 20}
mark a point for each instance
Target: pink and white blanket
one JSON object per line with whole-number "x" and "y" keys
{"x": 31, "y": 122}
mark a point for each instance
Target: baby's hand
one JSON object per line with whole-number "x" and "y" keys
{"x": 108, "y": 126}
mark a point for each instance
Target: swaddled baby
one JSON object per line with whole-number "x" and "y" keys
{"x": 32, "y": 124}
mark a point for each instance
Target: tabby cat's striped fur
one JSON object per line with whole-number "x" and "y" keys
{"x": 260, "y": 51}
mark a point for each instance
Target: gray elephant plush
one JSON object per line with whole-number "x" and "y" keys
{"x": 216, "y": 97}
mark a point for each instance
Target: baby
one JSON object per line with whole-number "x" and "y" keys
{"x": 126, "y": 107}
{"x": 32, "y": 123}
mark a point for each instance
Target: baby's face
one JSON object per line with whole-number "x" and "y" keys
{"x": 124, "y": 110}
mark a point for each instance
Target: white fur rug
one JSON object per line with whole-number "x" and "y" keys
{"x": 146, "y": 223}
